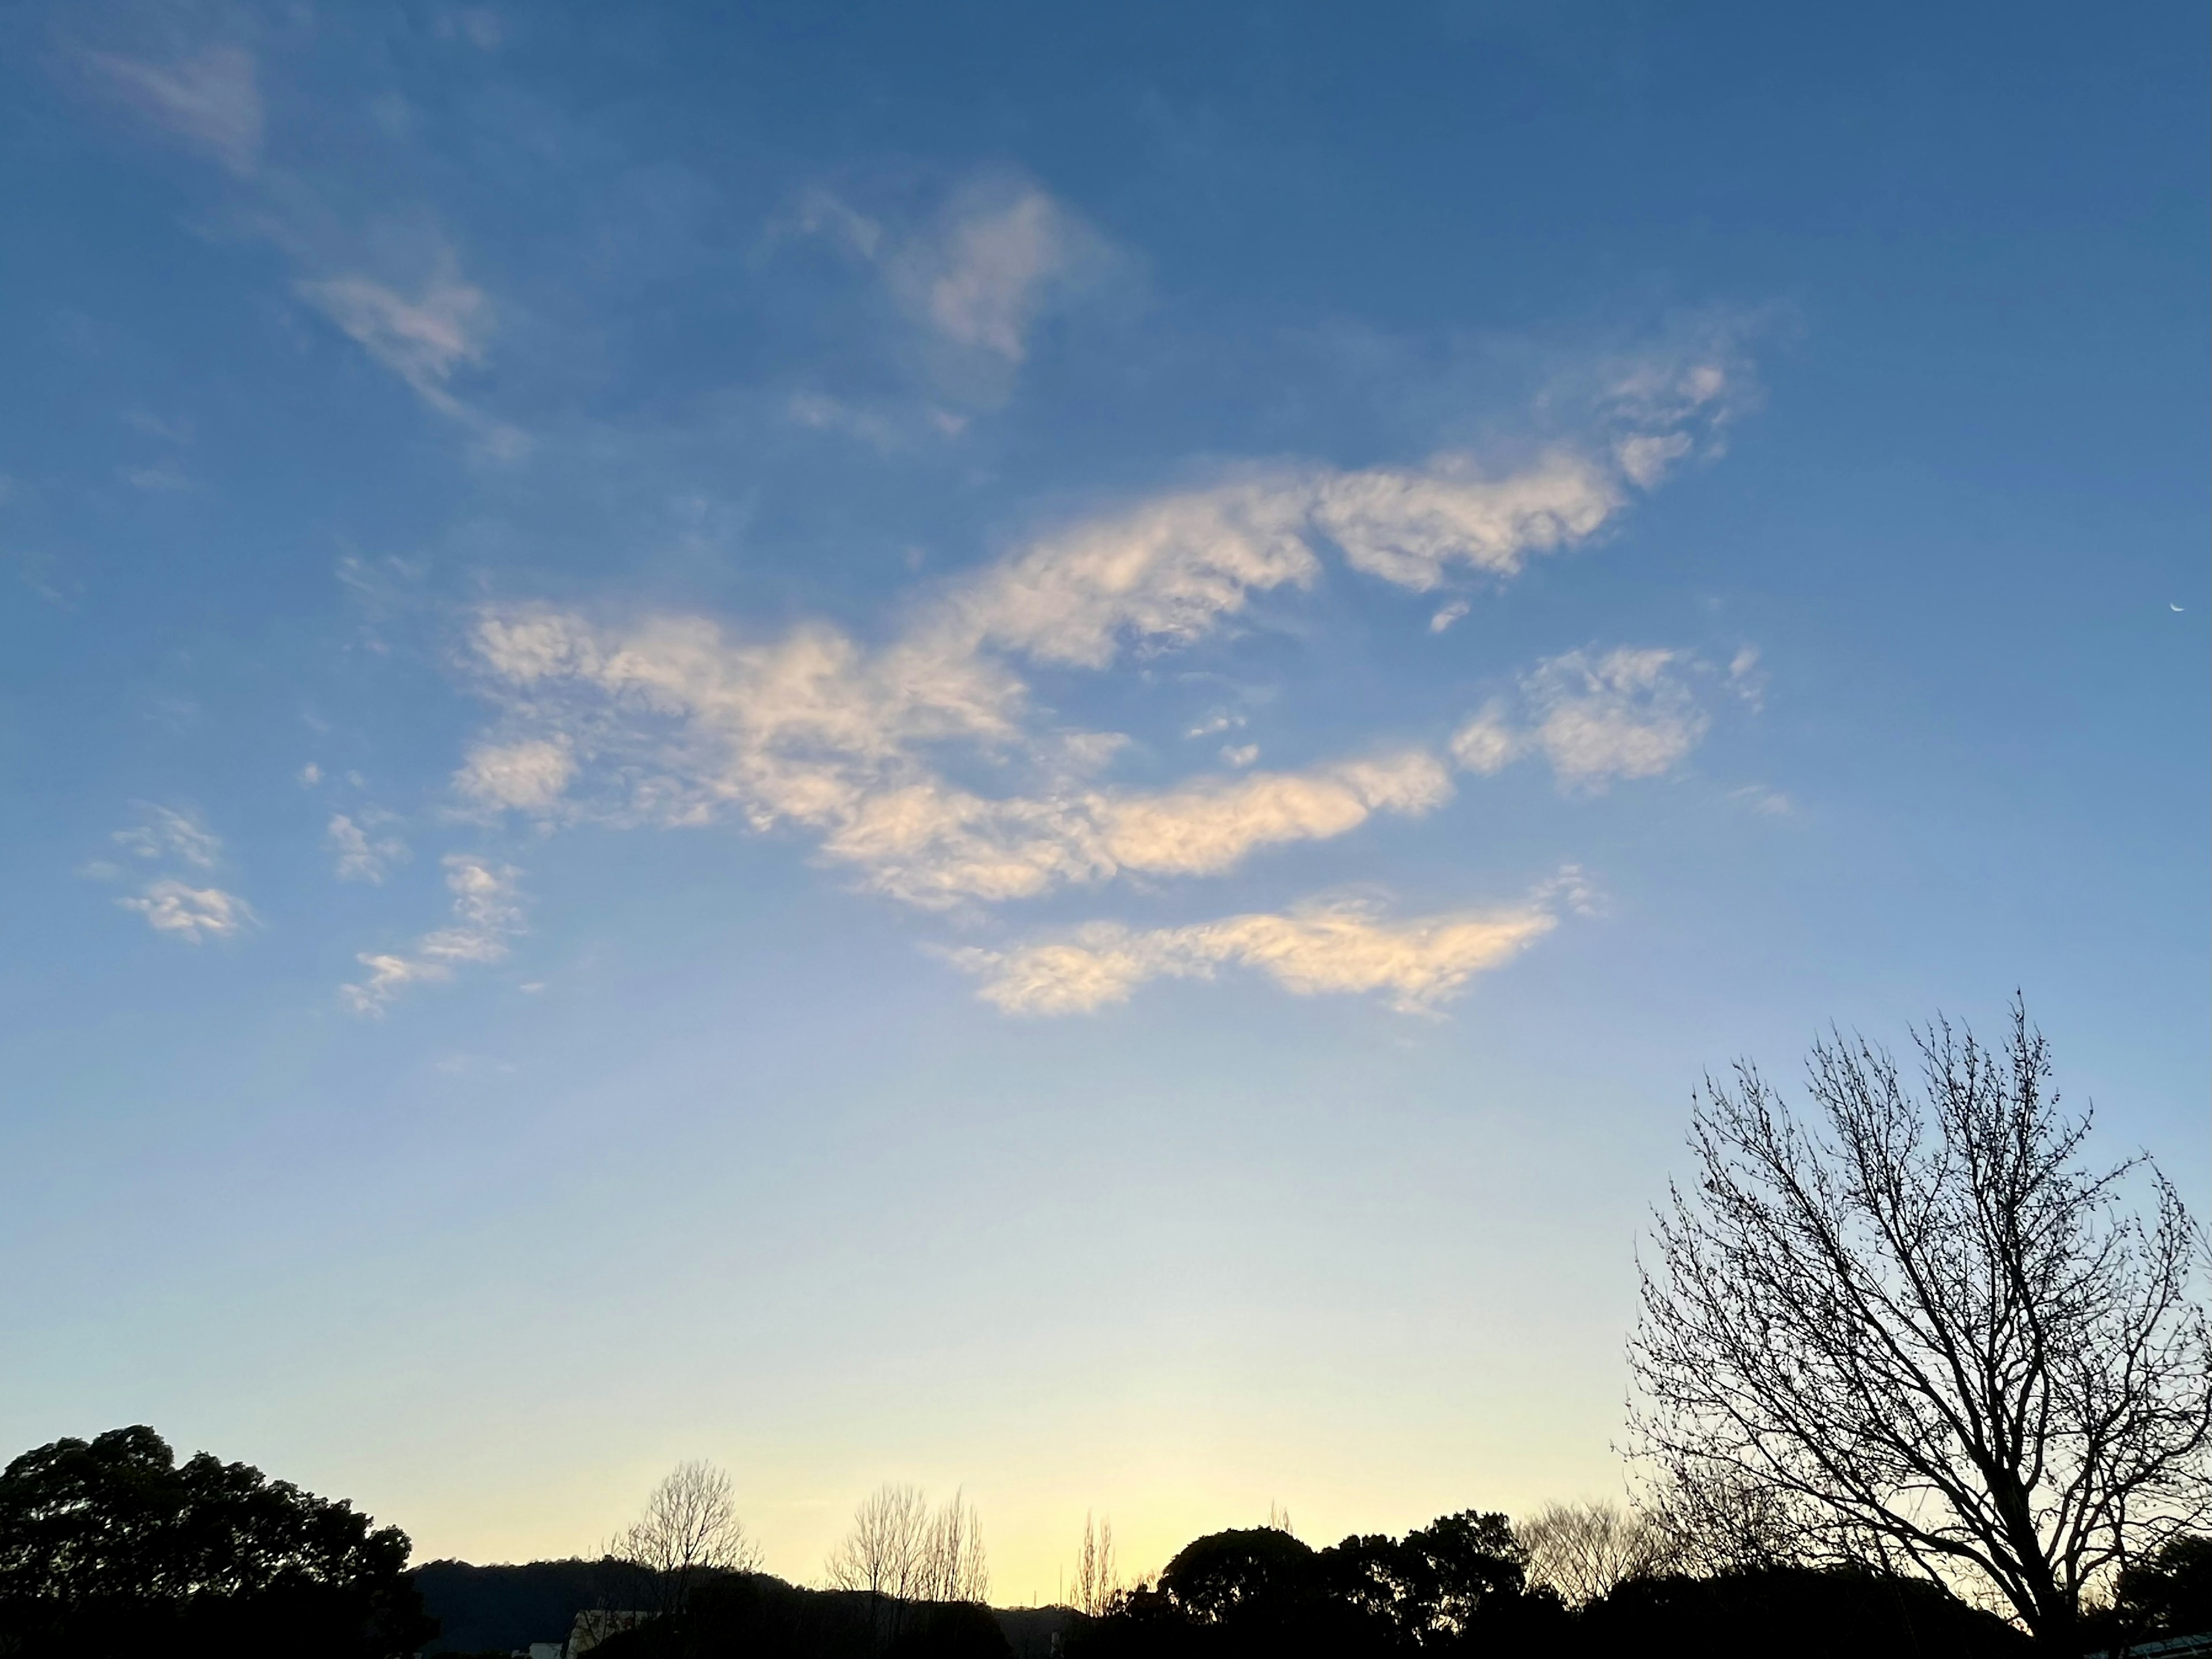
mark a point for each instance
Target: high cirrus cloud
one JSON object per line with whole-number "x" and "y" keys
{"x": 425, "y": 327}
{"x": 171, "y": 832}
{"x": 982, "y": 280}
{"x": 424, "y": 337}
{"x": 1596, "y": 717}
{"x": 527, "y": 774}
{"x": 190, "y": 913}
{"x": 1161, "y": 573}
{"x": 813, "y": 731}
{"x": 357, "y": 857}
{"x": 926, "y": 764}
{"x": 1324, "y": 949}
{"x": 210, "y": 99}
{"x": 674, "y": 719}
{"x": 487, "y": 913}
{"x": 1410, "y": 526}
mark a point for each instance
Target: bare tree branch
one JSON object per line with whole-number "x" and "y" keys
{"x": 1095, "y": 1587}
{"x": 1919, "y": 1329}
{"x": 1586, "y": 1551}
{"x": 900, "y": 1552}
{"x": 690, "y": 1530}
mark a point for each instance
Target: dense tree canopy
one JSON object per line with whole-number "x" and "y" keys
{"x": 110, "y": 1546}
{"x": 1456, "y": 1585}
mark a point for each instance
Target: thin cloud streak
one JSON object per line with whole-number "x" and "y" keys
{"x": 211, "y": 100}
{"x": 487, "y": 916}
{"x": 422, "y": 340}
{"x": 169, "y": 832}
{"x": 1321, "y": 950}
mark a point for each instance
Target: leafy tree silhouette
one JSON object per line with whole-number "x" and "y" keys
{"x": 109, "y": 1546}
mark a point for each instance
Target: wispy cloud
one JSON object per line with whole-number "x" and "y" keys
{"x": 1411, "y": 527}
{"x": 886, "y": 423}
{"x": 674, "y": 721}
{"x": 190, "y": 912}
{"x": 480, "y": 26}
{"x": 1325, "y": 949}
{"x": 822, "y": 213}
{"x": 171, "y": 835}
{"x": 170, "y": 832}
{"x": 425, "y": 339}
{"x": 972, "y": 284}
{"x": 1210, "y": 826}
{"x": 1626, "y": 713}
{"x": 925, "y": 764}
{"x": 211, "y": 98}
{"x": 162, "y": 475}
{"x": 1161, "y": 573}
{"x": 422, "y": 340}
{"x": 982, "y": 276}
{"x": 487, "y": 916}
{"x": 812, "y": 731}
{"x": 527, "y": 775}
{"x": 416, "y": 315}
{"x": 360, "y": 859}
{"x": 1767, "y": 802}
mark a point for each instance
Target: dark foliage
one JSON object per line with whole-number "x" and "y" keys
{"x": 1809, "y": 1613}
{"x": 1230, "y": 1575}
{"x": 758, "y": 1617}
{"x": 2169, "y": 1594}
{"x": 1457, "y": 1574}
{"x": 110, "y": 1547}
{"x": 502, "y": 1608}
{"x": 1454, "y": 1587}
{"x": 1035, "y": 1633}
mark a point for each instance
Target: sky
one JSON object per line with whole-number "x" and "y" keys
{"x": 1034, "y": 748}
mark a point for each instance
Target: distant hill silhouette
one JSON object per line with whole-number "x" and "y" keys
{"x": 1229, "y": 1597}
{"x": 501, "y": 1609}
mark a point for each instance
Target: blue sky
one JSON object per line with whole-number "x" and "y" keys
{"x": 1033, "y": 747}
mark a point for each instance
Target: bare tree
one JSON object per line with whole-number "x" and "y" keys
{"x": 1585, "y": 1550}
{"x": 1920, "y": 1327}
{"x": 883, "y": 1553}
{"x": 954, "y": 1567}
{"x": 898, "y": 1549}
{"x": 1709, "y": 1520}
{"x": 1097, "y": 1583}
{"x": 690, "y": 1529}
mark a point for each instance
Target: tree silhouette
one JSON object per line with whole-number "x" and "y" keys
{"x": 1921, "y": 1328}
{"x": 1096, "y": 1581}
{"x": 109, "y": 1545}
{"x": 1587, "y": 1551}
{"x": 689, "y": 1531}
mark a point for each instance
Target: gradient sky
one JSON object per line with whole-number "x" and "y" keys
{"x": 1033, "y": 747}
